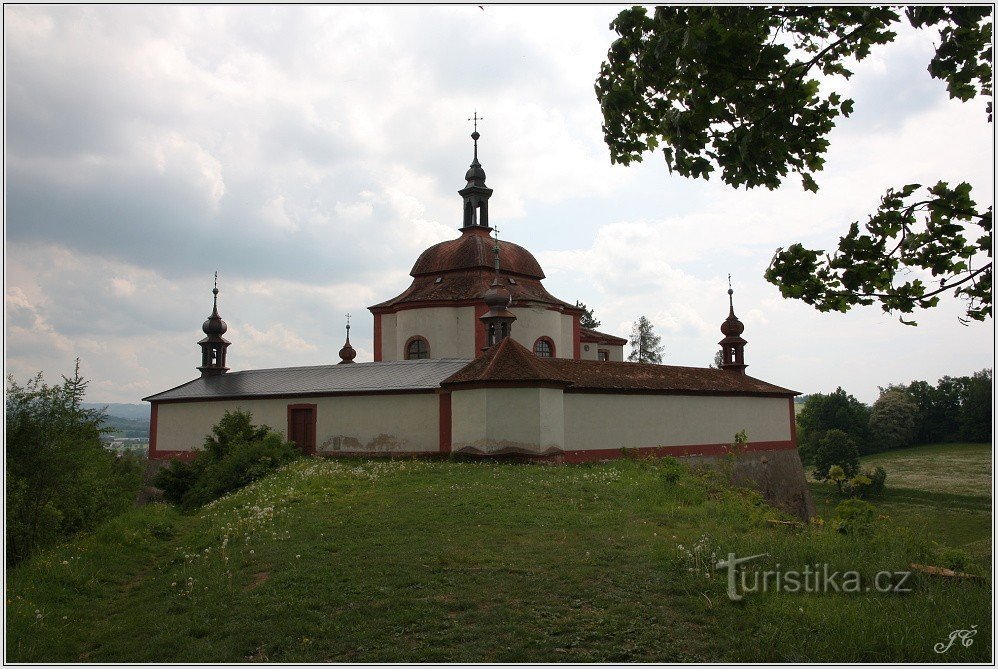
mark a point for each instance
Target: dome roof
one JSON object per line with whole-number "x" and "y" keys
{"x": 473, "y": 249}
{"x": 497, "y": 297}
{"x": 732, "y": 327}
{"x": 214, "y": 326}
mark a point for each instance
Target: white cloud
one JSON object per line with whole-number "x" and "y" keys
{"x": 311, "y": 153}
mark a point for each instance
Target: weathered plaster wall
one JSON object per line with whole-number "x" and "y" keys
{"x": 389, "y": 346}
{"x": 616, "y": 353}
{"x": 362, "y": 423}
{"x": 645, "y": 421}
{"x": 508, "y": 420}
{"x": 535, "y": 322}
{"x": 449, "y": 330}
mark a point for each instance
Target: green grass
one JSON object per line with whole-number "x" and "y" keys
{"x": 942, "y": 491}
{"x": 962, "y": 469}
{"x": 399, "y": 561}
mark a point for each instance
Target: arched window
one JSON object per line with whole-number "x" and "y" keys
{"x": 544, "y": 348}
{"x": 417, "y": 348}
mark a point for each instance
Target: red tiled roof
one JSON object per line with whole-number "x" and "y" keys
{"x": 594, "y": 336}
{"x": 510, "y": 362}
{"x": 473, "y": 249}
{"x": 472, "y": 285}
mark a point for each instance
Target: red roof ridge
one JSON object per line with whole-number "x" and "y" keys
{"x": 597, "y": 336}
{"x": 508, "y": 361}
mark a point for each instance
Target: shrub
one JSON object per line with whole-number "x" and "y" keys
{"x": 835, "y": 448}
{"x": 60, "y": 478}
{"x": 869, "y": 483}
{"x": 853, "y": 516}
{"x": 836, "y": 411}
{"x": 235, "y": 454}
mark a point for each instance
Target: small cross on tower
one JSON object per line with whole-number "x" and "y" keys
{"x": 476, "y": 118}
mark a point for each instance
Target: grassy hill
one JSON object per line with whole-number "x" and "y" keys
{"x": 358, "y": 561}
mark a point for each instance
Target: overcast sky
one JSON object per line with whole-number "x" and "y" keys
{"x": 310, "y": 153}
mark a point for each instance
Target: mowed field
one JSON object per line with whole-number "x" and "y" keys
{"x": 941, "y": 490}
{"x": 959, "y": 469}
{"x": 418, "y": 561}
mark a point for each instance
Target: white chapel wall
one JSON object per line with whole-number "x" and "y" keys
{"x": 450, "y": 331}
{"x": 358, "y": 423}
{"x": 612, "y": 421}
{"x": 535, "y": 322}
{"x": 389, "y": 347}
{"x": 496, "y": 419}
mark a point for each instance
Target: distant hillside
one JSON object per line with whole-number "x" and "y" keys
{"x": 127, "y": 420}
{"x": 130, "y": 411}
{"x": 128, "y": 428}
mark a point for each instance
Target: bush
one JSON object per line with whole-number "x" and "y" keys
{"x": 854, "y": 516}
{"x": 60, "y": 478}
{"x": 235, "y": 454}
{"x": 835, "y": 448}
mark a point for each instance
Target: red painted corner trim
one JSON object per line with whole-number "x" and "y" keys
{"x": 309, "y": 448}
{"x": 576, "y": 338}
{"x": 153, "y": 420}
{"x": 480, "y": 310}
{"x": 377, "y": 337}
{"x": 445, "y": 423}
{"x": 793, "y": 422}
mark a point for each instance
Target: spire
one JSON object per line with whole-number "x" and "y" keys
{"x": 475, "y": 193}
{"x": 498, "y": 319}
{"x": 213, "y": 346}
{"x": 732, "y": 346}
{"x": 347, "y": 354}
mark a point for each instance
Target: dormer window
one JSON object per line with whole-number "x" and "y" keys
{"x": 417, "y": 348}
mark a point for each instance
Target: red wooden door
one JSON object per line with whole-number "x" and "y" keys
{"x": 301, "y": 426}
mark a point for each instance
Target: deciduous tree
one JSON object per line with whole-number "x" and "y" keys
{"x": 735, "y": 90}
{"x": 893, "y": 421}
{"x": 60, "y": 478}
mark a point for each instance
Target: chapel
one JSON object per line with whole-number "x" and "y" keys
{"x": 476, "y": 358}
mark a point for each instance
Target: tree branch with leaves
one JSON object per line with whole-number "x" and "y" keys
{"x": 733, "y": 90}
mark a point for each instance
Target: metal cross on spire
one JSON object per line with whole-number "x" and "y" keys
{"x": 214, "y": 292}
{"x": 476, "y": 118}
{"x": 348, "y": 324}
{"x": 495, "y": 250}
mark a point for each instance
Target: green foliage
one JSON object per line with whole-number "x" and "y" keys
{"x": 854, "y": 516}
{"x": 235, "y": 454}
{"x": 908, "y": 232}
{"x": 60, "y": 478}
{"x": 836, "y": 411}
{"x": 893, "y": 421}
{"x": 646, "y": 346}
{"x": 869, "y": 483}
{"x": 835, "y": 448}
{"x": 587, "y": 320}
{"x": 735, "y": 90}
{"x": 955, "y": 409}
{"x": 975, "y": 417}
